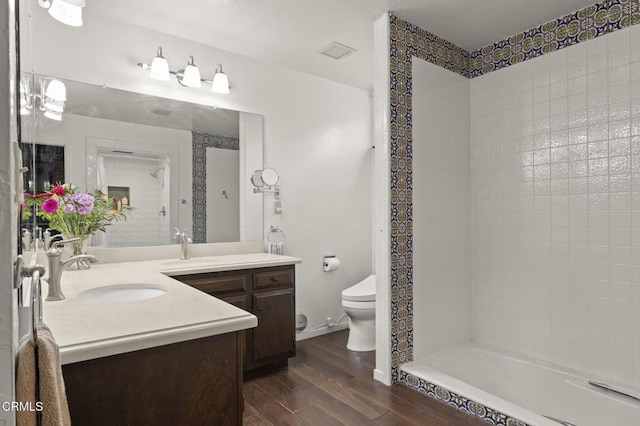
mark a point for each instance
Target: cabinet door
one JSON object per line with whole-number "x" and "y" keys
{"x": 275, "y": 335}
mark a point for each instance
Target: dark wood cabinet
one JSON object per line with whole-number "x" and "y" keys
{"x": 196, "y": 382}
{"x": 269, "y": 294}
{"x": 273, "y": 337}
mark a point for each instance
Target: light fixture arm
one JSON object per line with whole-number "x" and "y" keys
{"x": 28, "y": 95}
{"x": 41, "y": 95}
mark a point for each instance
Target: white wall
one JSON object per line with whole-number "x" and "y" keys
{"x": 223, "y": 212}
{"x": 8, "y": 211}
{"x": 441, "y": 209}
{"x": 316, "y": 135}
{"x": 382, "y": 199}
{"x": 555, "y": 172}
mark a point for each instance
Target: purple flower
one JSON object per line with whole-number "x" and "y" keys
{"x": 84, "y": 202}
{"x": 68, "y": 208}
{"x": 50, "y": 205}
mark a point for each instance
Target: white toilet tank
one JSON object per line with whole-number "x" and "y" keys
{"x": 364, "y": 291}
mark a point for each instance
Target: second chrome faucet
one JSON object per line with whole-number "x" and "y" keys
{"x": 184, "y": 240}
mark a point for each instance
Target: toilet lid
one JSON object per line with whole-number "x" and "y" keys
{"x": 364, "y": 291}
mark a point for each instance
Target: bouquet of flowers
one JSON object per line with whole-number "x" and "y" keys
{"x": 74, "y": 213}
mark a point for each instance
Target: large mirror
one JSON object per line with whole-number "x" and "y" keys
{"x": 177, "y": 164}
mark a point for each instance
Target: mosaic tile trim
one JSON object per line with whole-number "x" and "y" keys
{"x": 403, "y": 45}
{"x": 199, "y": 144}
{"x": 466, "y": 405}
{"x": 585, "y": 24}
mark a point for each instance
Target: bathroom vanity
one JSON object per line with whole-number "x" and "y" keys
{"x": 166, "y": 352}
{"x": 269, "y": 294}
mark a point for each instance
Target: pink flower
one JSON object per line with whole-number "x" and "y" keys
{"x": 59, "y": 190}
{"x": 50, "y": 205}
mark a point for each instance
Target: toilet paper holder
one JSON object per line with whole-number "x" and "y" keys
{"x": 330, "y": 263}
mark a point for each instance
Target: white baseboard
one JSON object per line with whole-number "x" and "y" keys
{"x": 381, "y": 376}
{"x": 303, "y": 335}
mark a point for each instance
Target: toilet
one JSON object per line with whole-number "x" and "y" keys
{"x": 359, "y": 303}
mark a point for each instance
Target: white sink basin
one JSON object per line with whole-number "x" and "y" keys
{"x": 189, "y": 262}
{"x": 122, "y": 293}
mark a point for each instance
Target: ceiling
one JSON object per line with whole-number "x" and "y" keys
{"x": 291, "y": 32}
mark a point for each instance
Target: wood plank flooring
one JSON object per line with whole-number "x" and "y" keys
{"x": 326, "y": 384}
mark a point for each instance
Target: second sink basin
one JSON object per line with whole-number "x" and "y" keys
{"x": 121, "y": 293}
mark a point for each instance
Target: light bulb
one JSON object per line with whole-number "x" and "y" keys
{"x": 53, "y": 115}
{"x": 191, "y": 75}
{"x": 159, "y": 67}
{"x": 53, "y": 105}
{"x": 68, "y": 12}
{"x": 220, "y": 82}
{"x": 56, "y": 90}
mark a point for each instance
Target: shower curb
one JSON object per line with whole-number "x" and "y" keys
{"x": 460, "y": 402}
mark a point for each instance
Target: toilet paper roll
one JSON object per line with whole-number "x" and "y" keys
{"x": 331, "y": 264}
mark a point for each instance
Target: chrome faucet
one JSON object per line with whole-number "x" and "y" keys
{"x": 184, "y": 239}
{"x": 57, "y": 266}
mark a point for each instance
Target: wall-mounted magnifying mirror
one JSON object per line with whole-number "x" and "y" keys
{"x": 270, "y": 177}
{"x": 256, "y": 179}
{"x": 266, "y": 177}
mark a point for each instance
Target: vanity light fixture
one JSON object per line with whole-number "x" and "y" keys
{"x": 56, "y": 91}
{"x": 68, "y": 12}
{"x": 159, "y": 67}
{"x": 189, "y": 76}
{"x": 220, "y": 82}
{"x": 52, "y": 96}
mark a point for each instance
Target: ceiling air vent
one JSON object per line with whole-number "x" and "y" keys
{"x": 159, "y": 111}
{"x": 337, "y": 51}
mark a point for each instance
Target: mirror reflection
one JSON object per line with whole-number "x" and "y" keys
{"x": 177, "y": 164}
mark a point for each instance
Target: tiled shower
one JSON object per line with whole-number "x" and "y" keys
{"x": 555, "y": 172}
{"x": 552, "y": 166}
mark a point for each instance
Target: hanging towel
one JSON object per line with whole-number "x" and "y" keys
{"x": 276, "y": 247}
{"x": 39, "y": 371}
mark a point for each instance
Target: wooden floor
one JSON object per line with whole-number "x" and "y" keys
{"x": 326, "y": 384}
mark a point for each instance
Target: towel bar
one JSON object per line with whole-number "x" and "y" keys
{"x": 35, "y": 272}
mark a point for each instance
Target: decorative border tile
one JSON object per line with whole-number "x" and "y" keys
{"x": 585, "y": 24}
{"x": 199, "y": 144}
{"x": 466, "y": 405}
{"x": 408, "y": 40}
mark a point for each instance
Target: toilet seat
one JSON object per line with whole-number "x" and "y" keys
{"x": 364, "y": 291}
{"x": 358, "y": 305}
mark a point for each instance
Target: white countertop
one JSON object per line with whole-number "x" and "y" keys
{"x": 87, "y": 330}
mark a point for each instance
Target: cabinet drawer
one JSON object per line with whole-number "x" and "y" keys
{"x": 273, "y": 278}
{"x": 216, "y": 283}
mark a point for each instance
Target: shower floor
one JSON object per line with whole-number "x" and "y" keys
{"x": 506, "y": 388}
